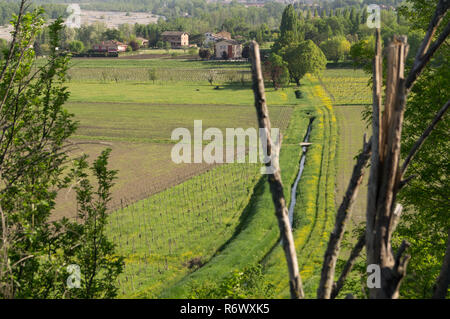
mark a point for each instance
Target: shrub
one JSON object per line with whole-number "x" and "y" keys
{"x": 134, "y": 45}
{"x": 248, "y": 283}
{"x": 204, "y": 53}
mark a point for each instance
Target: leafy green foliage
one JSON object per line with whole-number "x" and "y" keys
{"x": 134, "y": 45}
{"x": 245, "y": 284}
{"x": 35, "y": 130}
{"x": 289, "y": 20}
{"x": 204, "y": 53}
{"x": 336, "y": 48}
{"x": 427, "y": 218}
{"x": 276, "y": 70}
{"x": 95, "y": 255}
{"x": 35, "y": 126}
{"x": 76, "y": 46}
{"x": 303, "y": 58}
{"x": 3, "y": 48}
{"x": 362, "y": 53}
{"x": 289, "y": 29}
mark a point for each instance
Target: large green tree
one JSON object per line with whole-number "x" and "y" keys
{"x": 76, "y": 46}
{"x": 276, "y": 70}
{"x": 303, "y": 58}
{"x": 336, "y": 48}
{"x": 289, "y": 29}
{"x": 289, "y": 20}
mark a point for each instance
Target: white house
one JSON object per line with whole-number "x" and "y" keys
{"x": 231, "y": 48}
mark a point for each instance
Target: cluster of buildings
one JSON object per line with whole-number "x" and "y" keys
{"x": 113, "y": 46}
{"x": 223, "y": 44}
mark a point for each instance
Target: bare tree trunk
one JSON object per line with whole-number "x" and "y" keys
{"x": 376, "y": 139}
{"x": 342, "y": 217}
{"x": 276, "y": 185}
{"x": 380, "y": 215}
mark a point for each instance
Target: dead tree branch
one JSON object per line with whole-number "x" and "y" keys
{"x": 426, "y": 49}
{"x": 439, "y": 115}
{"x": 356, "y": 251}
{"x": 274, "y": 178}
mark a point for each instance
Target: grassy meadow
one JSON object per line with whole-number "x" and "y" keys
{"x": 136, "y": 117}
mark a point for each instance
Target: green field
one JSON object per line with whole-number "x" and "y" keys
{"x": 351, "y": 132}
{"x": 184, "y": 226}
{"x": 113, "y": 74}
{"x": 164, "y": 235}
{"x": 347, "y": 86}
{"x": 258, "y": 230}
{"x": 165, "y": 63}
{"x": 135, "y": 118}
{"x": 173, "y": 93}
{"x": 155, "y": 122}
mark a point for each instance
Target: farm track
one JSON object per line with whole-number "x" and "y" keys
{"x": 351, "y": 131}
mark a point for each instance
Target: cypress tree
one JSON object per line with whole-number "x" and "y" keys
{"x": 289, "y": 20}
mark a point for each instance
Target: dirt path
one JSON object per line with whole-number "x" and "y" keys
{"x": 351, "y": 131}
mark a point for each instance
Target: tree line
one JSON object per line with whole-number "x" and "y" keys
{"x": 197, "y": 17}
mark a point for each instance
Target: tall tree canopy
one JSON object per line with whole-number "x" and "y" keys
{"x": 306, "y": 57}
